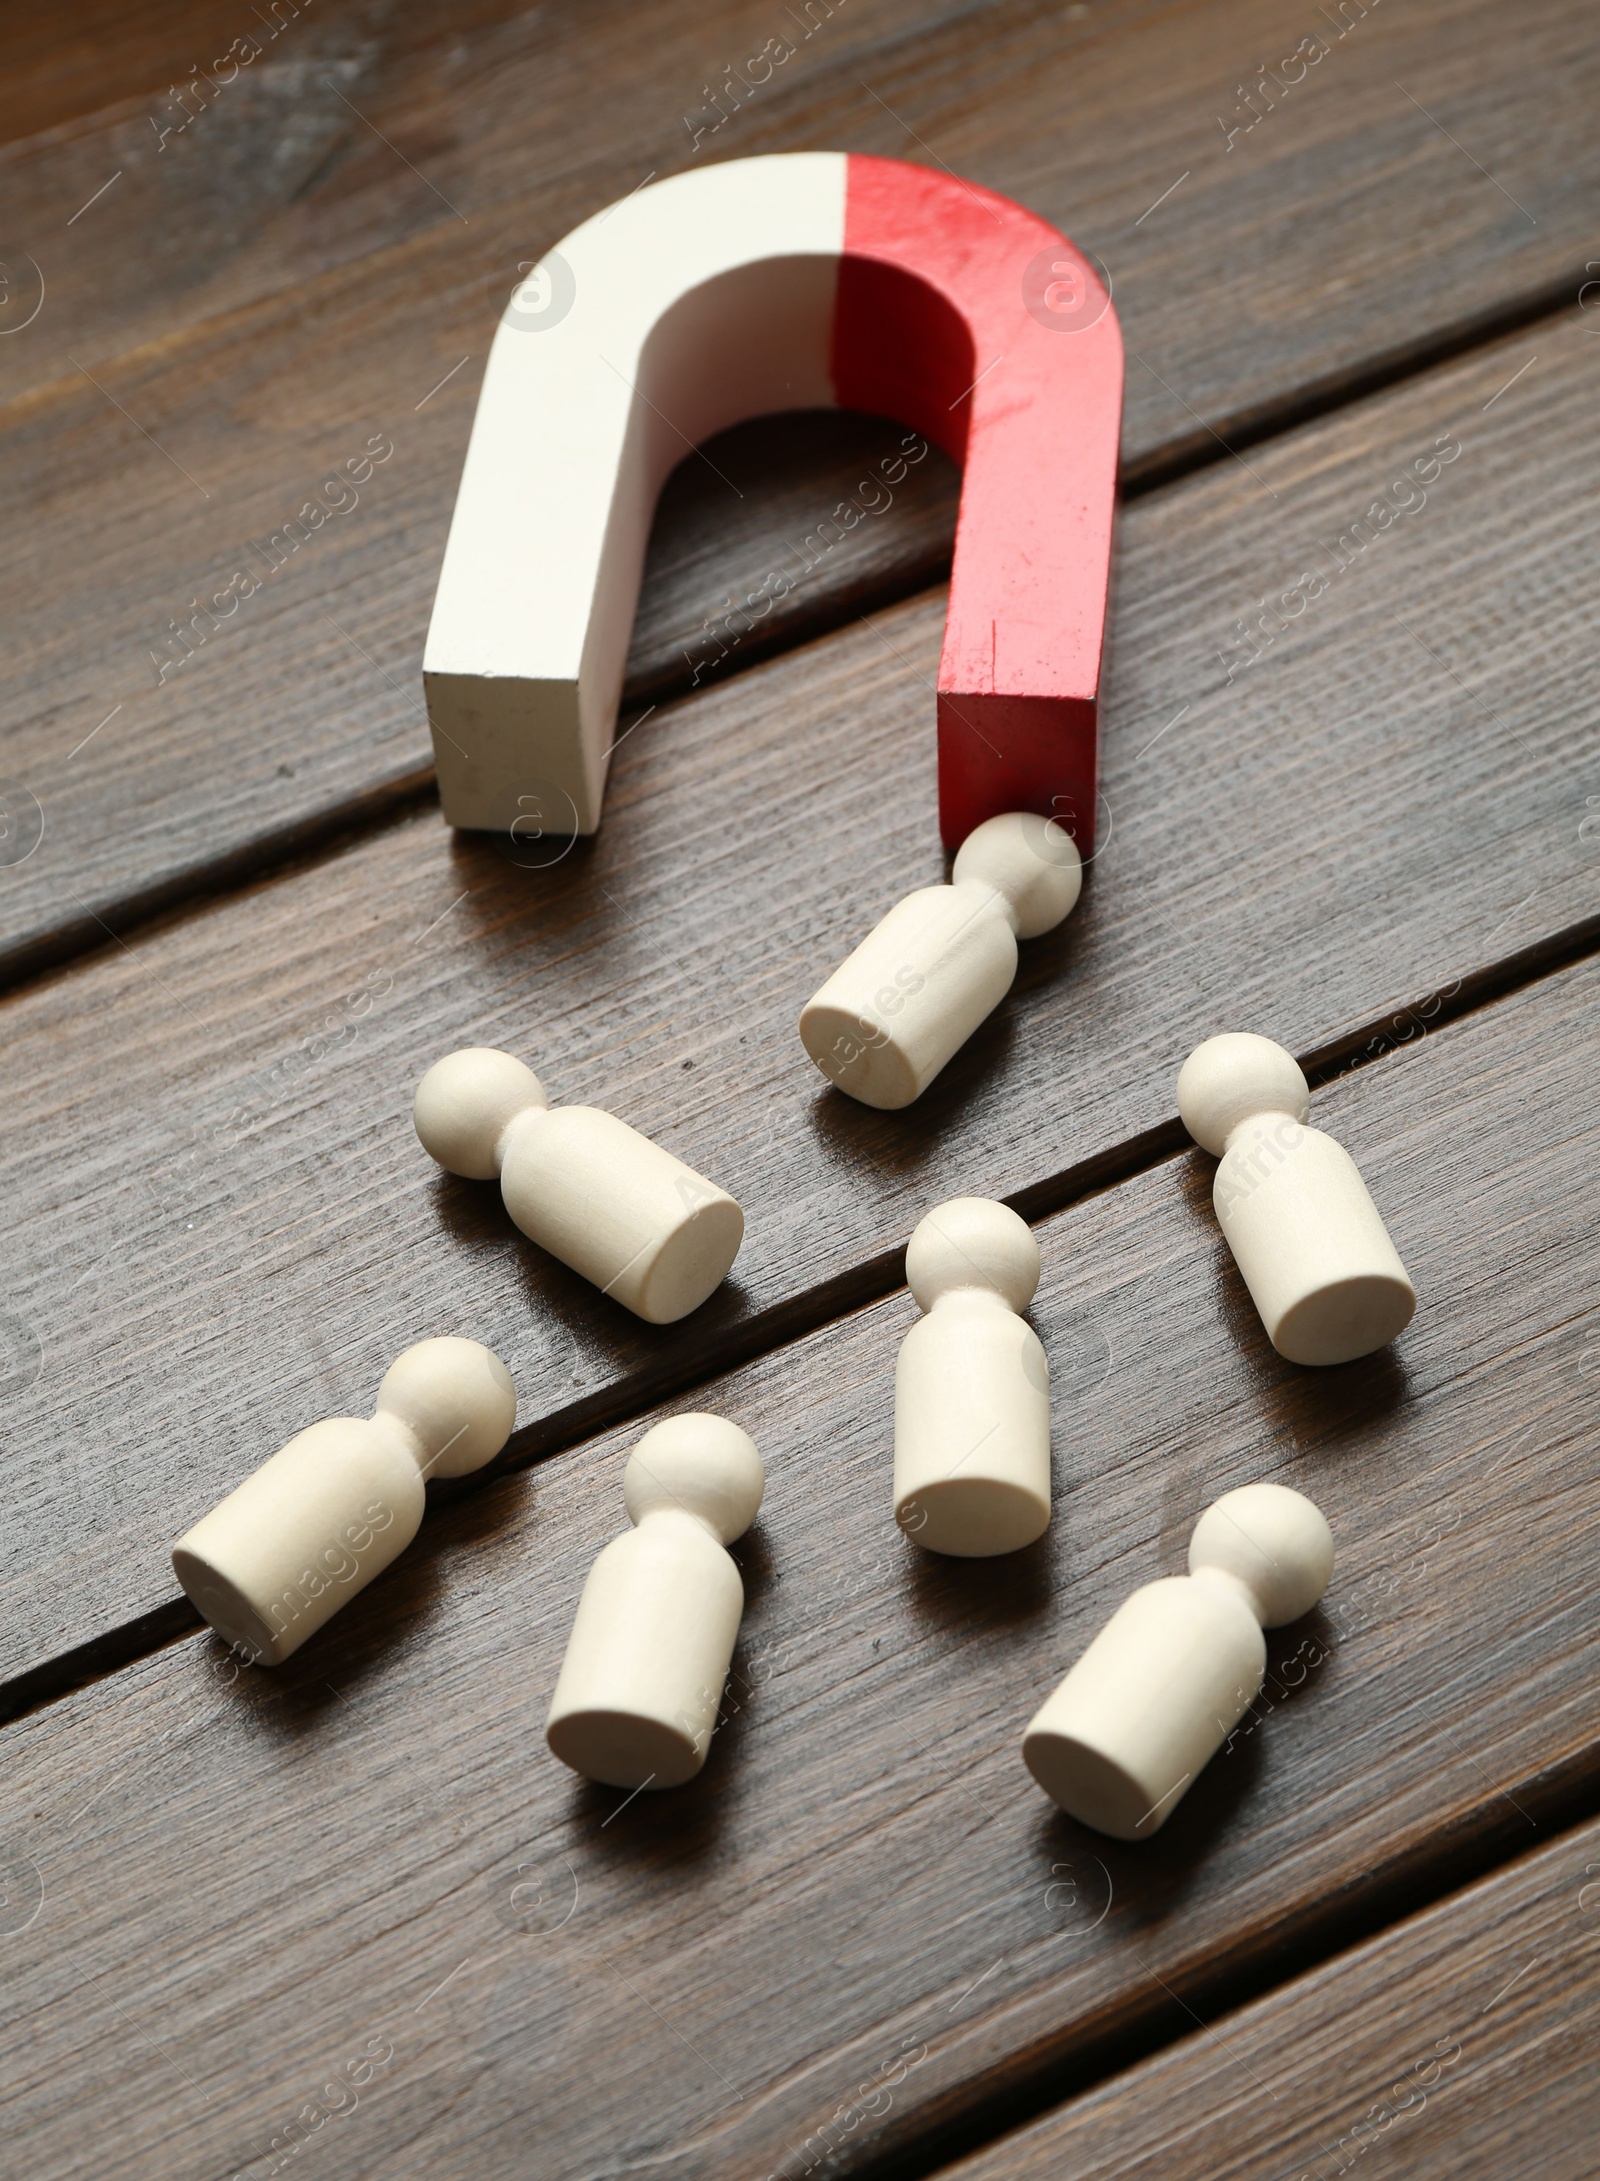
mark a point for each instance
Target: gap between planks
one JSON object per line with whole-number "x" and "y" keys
{"x": 1562, "y": 1796}
{"x": 863, "y": 1284}
{"x": 1569, "y": 1801}
{"x": 323, "y": 834}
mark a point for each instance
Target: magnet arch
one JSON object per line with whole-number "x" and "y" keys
{"x": 795, "y": 280}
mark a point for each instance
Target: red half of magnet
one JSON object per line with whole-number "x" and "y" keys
{"x": 987, "y": 331}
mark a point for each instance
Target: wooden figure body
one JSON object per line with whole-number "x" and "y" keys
{"x": 1303, "y": 1229}
{"x": 971, "y": 1387}
{"x": 794, "y": 280}
{"x": 645, "y": 1665}
{"x": 330, "y": 1510}
{"x": 1179, "y": 1664}
{"x": 646, "y": 1229}
{"x": 943, "y": 959}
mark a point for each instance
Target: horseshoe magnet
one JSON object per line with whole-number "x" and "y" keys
{"x": 797, "y": 280}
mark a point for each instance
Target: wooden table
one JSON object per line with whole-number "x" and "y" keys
{"x": 350, "y": 1918}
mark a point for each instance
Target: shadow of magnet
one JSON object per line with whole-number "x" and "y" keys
{"x": 796, "y": 280}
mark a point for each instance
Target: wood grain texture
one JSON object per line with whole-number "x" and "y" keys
{"x": 261, "y": 297}
{"x": 1461, "y": 2041}
{"x": 782, "y": 529}
{"x": 318, "y": 132}
{"x": 218, "y": 1223}
{"x": 864, "y": 1924}
{"x": 59, "y": 67}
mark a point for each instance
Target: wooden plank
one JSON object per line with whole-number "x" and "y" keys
{"x": 314, "y": 136}
{"x": 864, "y": 1923}
{"x": 57, "y": 68}
{"x": 987, "y": 89}
{"x": 1461, "y": 2041}
{"x": 218, "y": 1221}
{"x": 270, "y": 340}
{"x": 831, "y": 515}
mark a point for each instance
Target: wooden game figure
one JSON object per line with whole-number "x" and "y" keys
{"x": 330, "y": 1510}
{"x": 914, "y": 991}
{"x": 645, "y": 1228}
{"x": 636, "y": 1701}
{"x": 1179, "y": 1664}
{"x": 971, "y": 1387}
{"x": 1305, "y": 1234}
